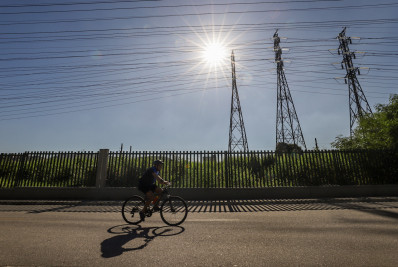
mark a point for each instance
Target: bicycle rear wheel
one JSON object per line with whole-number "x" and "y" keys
{"x": 131, "y": 208}
{"x": 174, "y": 211}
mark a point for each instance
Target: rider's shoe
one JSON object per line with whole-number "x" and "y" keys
{"x": 142, "y": 216}
{"x": 156, "y": 208}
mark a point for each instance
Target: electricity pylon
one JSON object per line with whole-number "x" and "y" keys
{"x": 288, "y": 129}
{"x": 237, "y": 132}
{"x": 358, "y": 104}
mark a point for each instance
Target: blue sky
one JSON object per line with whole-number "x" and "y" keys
{"x": 84, "y": 75}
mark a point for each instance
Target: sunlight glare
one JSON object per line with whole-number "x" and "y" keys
{"x": 214, "y": 53}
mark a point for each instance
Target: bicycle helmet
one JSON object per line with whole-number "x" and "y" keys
{"x": 157, "y": 162}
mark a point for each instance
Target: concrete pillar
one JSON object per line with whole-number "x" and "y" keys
{"x": 102, "y": 168}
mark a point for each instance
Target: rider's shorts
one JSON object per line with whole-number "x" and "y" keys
{"x": 146, "y": 188}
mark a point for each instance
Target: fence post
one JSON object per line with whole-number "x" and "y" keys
{"x": 227, "y": 173}
{"x": 102, "y": 168}
{"x": 20, "y": 175}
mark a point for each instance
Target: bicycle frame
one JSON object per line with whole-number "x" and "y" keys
{"x": 162, "y": 196}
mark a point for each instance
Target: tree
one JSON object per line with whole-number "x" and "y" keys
{"x": 287, "y": 148}
{"x": 374, "y": 131}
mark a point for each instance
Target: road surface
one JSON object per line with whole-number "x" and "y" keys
{"x": 337, "y": 232}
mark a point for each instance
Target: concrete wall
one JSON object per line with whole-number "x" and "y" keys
{"x": 107, "y": 193}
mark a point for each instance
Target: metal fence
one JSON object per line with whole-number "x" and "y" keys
{"x": 216, "y": 169}
{"x": 48, "y": 169}
{"x": 257, "y": 168}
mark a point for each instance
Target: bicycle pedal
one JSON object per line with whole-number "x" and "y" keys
{"x": 148, "y": 213}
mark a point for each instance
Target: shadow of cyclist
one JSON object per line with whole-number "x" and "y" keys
{"x": 130, "y": 238}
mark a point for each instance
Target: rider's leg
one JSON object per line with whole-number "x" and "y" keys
{"x": 158, "y": 191}
{"x": 148, "y": 198}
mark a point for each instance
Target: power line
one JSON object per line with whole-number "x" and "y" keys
{"x": 268, "y": 25}
{"x": 93, "y": 108}
{"x": 68, "y": 74}
{"x": 161, "y": 7}
{"x": 34, "y": 22}
{"x": 137, "y": 1}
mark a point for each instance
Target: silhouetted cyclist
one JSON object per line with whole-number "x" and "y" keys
{"x": 147, "y": 185}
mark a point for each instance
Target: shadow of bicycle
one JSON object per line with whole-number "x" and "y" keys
{"x": 134, "y": 237}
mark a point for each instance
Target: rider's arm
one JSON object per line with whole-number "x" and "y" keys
{"x": 159, "y": 179}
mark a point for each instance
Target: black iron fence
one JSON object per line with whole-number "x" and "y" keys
{"x": 216, "y": 169}
{"x": 258, "y": 168}
{"x": 48, "y": 169}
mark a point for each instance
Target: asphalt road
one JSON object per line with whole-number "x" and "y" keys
{"x": 339, "y": 232}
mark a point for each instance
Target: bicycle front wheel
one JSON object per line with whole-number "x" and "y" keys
{"x": 174, "y": 211}
{"x": 131, "y": 208}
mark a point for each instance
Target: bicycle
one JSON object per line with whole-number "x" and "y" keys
{"x": 173, "y": 209}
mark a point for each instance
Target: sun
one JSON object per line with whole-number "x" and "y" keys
{"x": 211, "y": 47}
{"x": 214, "y": 53}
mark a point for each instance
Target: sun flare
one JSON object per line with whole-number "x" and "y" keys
{"x": 212, "y": 49}
{"x": 214, "y": 53}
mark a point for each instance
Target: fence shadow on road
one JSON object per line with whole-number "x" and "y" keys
{"x": 377, "y": 206}
{"x": 134, "y": 237}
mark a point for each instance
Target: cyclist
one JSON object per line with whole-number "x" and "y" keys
{"x": 147, "y": 185}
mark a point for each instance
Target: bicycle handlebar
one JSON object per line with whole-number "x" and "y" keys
{"x": 167, "y": 186}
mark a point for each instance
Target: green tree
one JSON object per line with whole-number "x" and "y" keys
{"x": 374, "y": 131}
{"x": 287, "y": 148}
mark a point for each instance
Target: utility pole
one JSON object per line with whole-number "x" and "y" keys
{"x": 237, "y": 132}
{"x": 288, "y": 129}
{"x": 358, "y": 104}
{"x": 316, "y": 144}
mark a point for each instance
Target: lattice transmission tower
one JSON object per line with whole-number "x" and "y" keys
{"x": 358, "y": 104}
{"x": 288, "y": 129}
{"x": 237, "y": 132}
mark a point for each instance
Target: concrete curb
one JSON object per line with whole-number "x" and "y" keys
{"x": 120, "y": 193}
